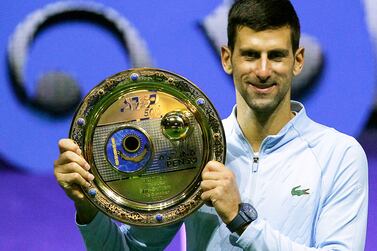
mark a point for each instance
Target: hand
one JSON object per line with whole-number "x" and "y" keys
{"x": 220, "y": 189}
{"x": 72, "y": 171}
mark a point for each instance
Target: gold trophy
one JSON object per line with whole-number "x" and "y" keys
{"x": 147, "y": 134}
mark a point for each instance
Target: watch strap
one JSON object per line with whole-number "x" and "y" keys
{"x": 246, "y": 215}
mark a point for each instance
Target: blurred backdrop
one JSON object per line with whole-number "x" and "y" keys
{"x": 52, "y": 53}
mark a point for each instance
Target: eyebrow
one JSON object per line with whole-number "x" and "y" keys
{"x": 247, "y": 51}
{"x": 284, "y": 52}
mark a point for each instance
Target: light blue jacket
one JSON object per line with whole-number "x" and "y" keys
{"x": 309, "y": 184}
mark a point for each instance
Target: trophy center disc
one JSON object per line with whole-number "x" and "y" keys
{"x": 129, "y": 150}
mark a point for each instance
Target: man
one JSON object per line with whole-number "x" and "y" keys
{"x": 288, "y": 183}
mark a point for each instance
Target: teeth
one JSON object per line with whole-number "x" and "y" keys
{"x": 263, "y": 87}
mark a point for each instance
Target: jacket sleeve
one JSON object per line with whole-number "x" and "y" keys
{"x": 342, "y": 219}
{"x": 103, "y": 234}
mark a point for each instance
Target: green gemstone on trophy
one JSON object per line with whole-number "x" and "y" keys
{"x": 176, "y": 125}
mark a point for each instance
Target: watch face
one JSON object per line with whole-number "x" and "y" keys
{"x": 249, "y": 210}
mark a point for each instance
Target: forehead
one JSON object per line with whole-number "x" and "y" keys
{"x": 247, "y": 38}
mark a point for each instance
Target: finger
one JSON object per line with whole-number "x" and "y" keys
{"x": 68, "y": 180}
{"x": 67, "y": 145}
{"x": 209, "y": 197}
{"x": 215, "y": 166}
{"x": 77, "y": 194}
{"x": 206, "y": 196}
{"x": 69, "y": 156}
{"x": 73, "y": 167}
{"x": 206, "y": 185}
{"x": 212, "y": 175}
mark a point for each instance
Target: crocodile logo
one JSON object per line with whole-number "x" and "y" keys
{"x": 298, "y": 192}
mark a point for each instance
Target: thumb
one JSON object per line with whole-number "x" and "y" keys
{"x": 214, "y": 166}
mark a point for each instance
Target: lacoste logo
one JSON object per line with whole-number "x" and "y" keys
{"x": 298, "y": 192}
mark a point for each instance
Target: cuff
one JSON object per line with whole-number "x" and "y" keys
{"x": 251, "y": 233}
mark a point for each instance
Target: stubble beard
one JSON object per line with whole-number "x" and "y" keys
{"x": 265, "y": 104}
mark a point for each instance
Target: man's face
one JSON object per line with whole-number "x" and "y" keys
{"x": 263, "y": 65}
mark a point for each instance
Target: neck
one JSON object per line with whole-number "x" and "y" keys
{"x": 258, "y": 125}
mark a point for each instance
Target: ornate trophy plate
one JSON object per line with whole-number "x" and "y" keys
{"x": 147, "y": 134}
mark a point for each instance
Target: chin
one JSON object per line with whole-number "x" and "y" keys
{"x": 263, "y": 106}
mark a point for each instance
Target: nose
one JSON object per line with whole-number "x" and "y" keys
{"x": 263, "y": 70}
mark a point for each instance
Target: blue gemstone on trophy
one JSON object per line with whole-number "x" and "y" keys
{"x": 81, "y": 122}
{"x": 92, "y": 192}
{"x": 159, "y": 217}
{"x": 134, "y": 76}
{"x": 200, "y": 101}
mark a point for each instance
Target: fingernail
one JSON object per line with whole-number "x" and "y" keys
{"x": 87, "y": 166}
{"x": 90, "y": 177}
{"x": 78, "y": 151}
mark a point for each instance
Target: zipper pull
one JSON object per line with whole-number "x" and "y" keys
{"x": 255, "y": 163}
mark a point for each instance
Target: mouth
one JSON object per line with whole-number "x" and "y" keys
{"x": 263, "y": 88}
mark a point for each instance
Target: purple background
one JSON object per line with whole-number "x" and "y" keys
{"x": 35, "y": 214}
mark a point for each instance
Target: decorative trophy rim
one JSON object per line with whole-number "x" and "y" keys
{"x": 84, "y": 129}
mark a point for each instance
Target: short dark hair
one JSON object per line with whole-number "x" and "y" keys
{"x": 262, "y": 15}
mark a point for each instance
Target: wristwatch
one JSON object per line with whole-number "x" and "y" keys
{"x": 246, "y": 215}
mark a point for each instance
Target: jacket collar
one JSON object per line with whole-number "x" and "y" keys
{"x": 290, "y": 131}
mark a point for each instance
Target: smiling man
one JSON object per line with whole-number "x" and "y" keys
{"x": 299, "y": 185}
{"x": 263, "y": 64}
{"x": 289, "y": 183}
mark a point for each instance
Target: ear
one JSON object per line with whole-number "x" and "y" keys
{"x": 226, "y": 56}
{"x": 299, "y": 61}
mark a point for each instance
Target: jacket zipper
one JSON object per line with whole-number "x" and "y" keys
{"x": 255, "y": 164}
{"x": 253, "y": 177}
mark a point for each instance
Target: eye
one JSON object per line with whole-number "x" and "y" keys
{"x": 277, "y": 55}
{"x": 251, "y": 55}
